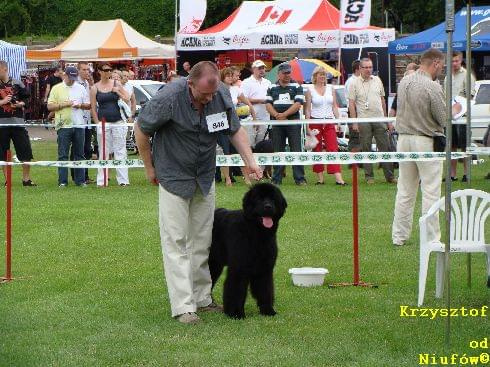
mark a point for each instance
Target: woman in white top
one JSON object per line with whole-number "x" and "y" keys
{"x": 322, "y": 104}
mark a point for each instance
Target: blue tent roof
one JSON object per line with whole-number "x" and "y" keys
{"x": 436, "y": 36}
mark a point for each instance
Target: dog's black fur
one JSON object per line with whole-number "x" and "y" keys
{"x": 243, "y": 241}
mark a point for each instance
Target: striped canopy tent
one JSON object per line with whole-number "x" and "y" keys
{"x": 15, "y": 56}
{"x": 104, "y": 41}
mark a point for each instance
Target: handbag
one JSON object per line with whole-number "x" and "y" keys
{"x": 310, "y": 142}
{"x": 439, "y": 143}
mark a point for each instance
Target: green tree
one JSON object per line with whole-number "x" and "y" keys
{"x": 14, "y": 18}
{"x": 152, "y": 17}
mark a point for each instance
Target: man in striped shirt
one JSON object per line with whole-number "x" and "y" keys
{"x": 283, "y": 102}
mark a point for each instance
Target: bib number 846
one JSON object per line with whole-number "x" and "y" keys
{"x": 218, "y": 125}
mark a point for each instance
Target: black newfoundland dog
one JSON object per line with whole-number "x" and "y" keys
{"x": 245, "y": 241}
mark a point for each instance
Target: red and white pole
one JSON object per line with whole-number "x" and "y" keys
{"x": 104, "y": 156}
{"x": 8, "y": 231}
{"x": 355, "y": 224}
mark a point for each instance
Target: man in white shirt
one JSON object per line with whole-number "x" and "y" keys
{"x": 255, "y": 89}
{"x": 68, "y": 100}
{"x": 366, "y": 99}
{"x": 459, "y": 88}
{"x": 85, "y": 80}
{"x": 354, "y": 140}
{"x": 356, "y": 71}
{"x": 130, "y": 89}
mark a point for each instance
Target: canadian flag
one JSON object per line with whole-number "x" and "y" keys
{"x": 192, "y": 14}
{"x": 274, "y": 14}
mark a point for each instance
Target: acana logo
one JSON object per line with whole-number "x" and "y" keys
{"x": 271, "y": 39}
{"x": 190, "y": 42}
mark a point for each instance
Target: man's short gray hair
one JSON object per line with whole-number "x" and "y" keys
{"x": 4, "y": 63}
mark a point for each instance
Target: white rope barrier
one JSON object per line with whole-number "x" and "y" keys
{"x": 480, "y": 122}
{"x": 265, "y": 159}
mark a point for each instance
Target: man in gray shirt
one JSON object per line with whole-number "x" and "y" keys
{"x": 421, "y": 115}
{"x": 184, "y": 118}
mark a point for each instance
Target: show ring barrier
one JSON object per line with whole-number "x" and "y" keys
{"x": 285, "y": 158}
{"x": 282, "y": 159}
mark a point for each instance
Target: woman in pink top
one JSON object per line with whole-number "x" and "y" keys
{"x": 321, "y": 104}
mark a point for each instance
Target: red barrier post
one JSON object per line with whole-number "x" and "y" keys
{"x": 357, "y": 282}
{"x": 355, "y": 224}
{"x": 104, "y": 157}
{"x": 8, "y": 231}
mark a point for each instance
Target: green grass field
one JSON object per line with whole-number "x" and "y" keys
{"x": 89, "y": 287}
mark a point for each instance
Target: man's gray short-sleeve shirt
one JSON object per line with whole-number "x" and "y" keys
{"x": 184, "y": 151}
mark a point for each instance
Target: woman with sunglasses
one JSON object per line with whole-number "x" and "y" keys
{"x": 104, "y": 97}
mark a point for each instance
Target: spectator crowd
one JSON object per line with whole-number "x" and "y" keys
{"x": 74, "y": 100}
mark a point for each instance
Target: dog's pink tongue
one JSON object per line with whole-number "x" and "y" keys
{"x": 267, "y": 222}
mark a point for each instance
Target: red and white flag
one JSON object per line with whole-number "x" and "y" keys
{"x": 274, "y": 15}
{"x": 355, "y": 13}
{"x": 192, "y": 14}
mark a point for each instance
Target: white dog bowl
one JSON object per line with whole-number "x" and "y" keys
{"x": 308, "y": 277}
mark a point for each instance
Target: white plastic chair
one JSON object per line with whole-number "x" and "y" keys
{"x": 469, "y": 211}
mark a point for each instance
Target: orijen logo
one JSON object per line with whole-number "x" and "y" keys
{"x": 274, "y": 15}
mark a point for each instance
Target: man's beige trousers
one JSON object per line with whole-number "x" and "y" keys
{"x": 429, "y": 175}
{"x": 186, "y": 227}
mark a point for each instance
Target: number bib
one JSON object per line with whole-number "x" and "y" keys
{"x": 217, "y": 122}
{"x": 284, "y": 97}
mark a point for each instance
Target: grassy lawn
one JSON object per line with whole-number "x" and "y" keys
{"x": 90, "y": 289}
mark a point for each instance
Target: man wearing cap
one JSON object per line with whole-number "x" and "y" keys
{"x": 284, "y": 99}
{"x": 255, "y": 89}
{"x": 68, "y": 100}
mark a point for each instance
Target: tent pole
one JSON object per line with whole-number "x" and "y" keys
{"x": 339, "y": 56}
{"x": 389, "y": 73}
{"x": 468, "y": 111}
{"x": 176, "y": 30}
{"x": 449, "y": 92}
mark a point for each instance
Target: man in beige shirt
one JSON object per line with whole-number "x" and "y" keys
{"x": 459, "y": 88}
{"x": 421, "y": 115}
{"x": 367, "y": 99}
